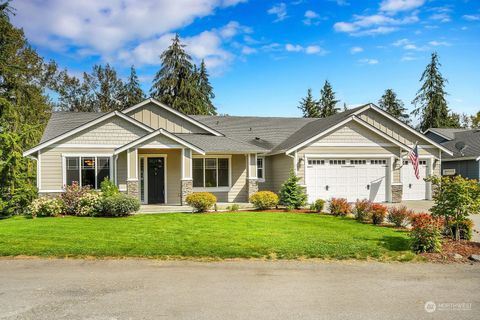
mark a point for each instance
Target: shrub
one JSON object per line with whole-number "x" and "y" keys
{"x": 109, "y": 188}
{"x": 46, "y": 207}
{"x": 455, "y": 198}
{"x": 71, "y": 197}
{"x": 465, "y": 226}
{"x": 425, "y": 232}
{"x": 340, "y": 207}
{"x": 201, "y": 201}
{"x": 318, "y": 205}
{"x": 234, "y": 207}
{"x": 87, "y": 204}
{"x": 292, "y": 194}
{"x": 117, "y": 205}
{"x": 264, "y": 199}
{"x": 378, "y": 213}
{"x": 399, "y": 216}
{"x": 361, "y": 210}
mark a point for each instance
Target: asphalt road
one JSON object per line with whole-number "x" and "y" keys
{"x": 151, "y": 289}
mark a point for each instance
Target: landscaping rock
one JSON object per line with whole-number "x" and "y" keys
{"x": 475, "y": 257}
{"x": 457, "y": 256}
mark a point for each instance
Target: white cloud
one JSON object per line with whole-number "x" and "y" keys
{"x": 246, "y": 50}
{"x": 408, "y": 45}
{"x": 311, "y": 17}
{"x": 280, "y": 10}
{"x": 293, "y": 48}
{"x": 442, "y": 17}
{"x": 308, "y": 49}
{"x": 368, "y": 61}
{"x": 355, "y": 50}
{"x": 471, "y": 17}
{"x": 439, "y": 43}
{"x": 408, "y": 57}
{"x": 401, "y": 42}
{"x": 394, "y": 6}
{"x": 373, "y": 24}
{"x": 110, "y": 28}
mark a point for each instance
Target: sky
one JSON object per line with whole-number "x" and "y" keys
{"x": 264, "y": 55}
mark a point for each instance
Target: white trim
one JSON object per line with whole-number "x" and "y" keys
{"x": 160, "y": 146}
{"x": 86, "y": 145}
{"x": 145, "y": 175}
{"x": 477, "y": 159}
{"x": 437, "y": 133}
{"x": 216, "y": 189}
{"x": 177, "y": 113}
{"x": 381, "y": 133}
{"x": 50, "y": 190}
{"x": 85, "y": 126}
{"x": 154, "y": 134}
{"x": 386, "y": 114}
{"x": 86, "y": 155}
{"x": 263, "y": 168}
{"x": 349, "y": 155}
{"x": 39, "y": 170}
{"x": 461, "y": 159}
{"x": 350, "y": 144}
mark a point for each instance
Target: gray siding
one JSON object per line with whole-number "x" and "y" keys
{"x": 466, "y": 168}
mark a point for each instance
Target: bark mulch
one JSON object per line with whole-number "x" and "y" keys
{"x": 450, "y": 248}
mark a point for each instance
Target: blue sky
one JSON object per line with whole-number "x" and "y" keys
{"x": 263, "y": 55}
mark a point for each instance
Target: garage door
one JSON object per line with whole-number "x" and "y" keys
{"x": 346, "y": 178}
{"x": 413, "y": 188}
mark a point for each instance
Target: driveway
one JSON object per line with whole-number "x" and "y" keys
{"x": 151, "y": 289}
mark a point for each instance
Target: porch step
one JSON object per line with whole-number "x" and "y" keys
{"x": 161, "y": 208}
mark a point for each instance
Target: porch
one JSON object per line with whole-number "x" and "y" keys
{"x": 163, "y": 208}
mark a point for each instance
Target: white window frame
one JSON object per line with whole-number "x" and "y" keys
{"x": 85, "y": 155}
{"x": 262, "y": 179}
{"x": 214, "y": 189}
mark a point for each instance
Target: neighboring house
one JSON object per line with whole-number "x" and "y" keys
{"x": 161, "y": 155}
{"x": 465, "y": 146}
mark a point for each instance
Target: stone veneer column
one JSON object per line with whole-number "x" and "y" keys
{"x": 133, "y": 188}
{"x": 397, "y": 193}
{"x": 186, "y": 189}
{"x": 252, "y": 186}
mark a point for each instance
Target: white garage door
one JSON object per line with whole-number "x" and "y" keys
{"x": 346, "y": 178}
{"x": 413, "y": 188}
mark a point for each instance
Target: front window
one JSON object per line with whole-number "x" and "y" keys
{"x": 210, "y": 172}
{"x": 260, "y": 168}
{"x": 87, "y": 171}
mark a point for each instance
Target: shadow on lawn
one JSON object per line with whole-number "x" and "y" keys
{"x": 394, "y": 243}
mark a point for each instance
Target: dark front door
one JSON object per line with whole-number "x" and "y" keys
{"x": 156, "y": 180}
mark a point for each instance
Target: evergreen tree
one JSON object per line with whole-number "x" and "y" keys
{"x": 108, "y": 88}
{"x": 394, "y": 106}
{"x": 174, "y": 83}
{"x": 309, "y": 107}
{"x": 327, "y": 101}
{"x": 132, "y": 92}
{"x": 206, "y": 91}
{"x": 292, "y": 194}
{"x": 476, "y": 120}
{"x": 430, "y": 101}
{"x": 24, "y": 111}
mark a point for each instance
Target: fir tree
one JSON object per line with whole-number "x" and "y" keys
{"x": 327, "y": 101}
{"x": 309, "y": 107}
{"x": 206, "y": 91}
{"x": 430, "y": 101}
{"x": 109, "y": 88}
{"x": 174, "y": 83}
{"x": 394, "y": 106}
{"x": 292, "y": 194}
{"x": 132, "y": 92}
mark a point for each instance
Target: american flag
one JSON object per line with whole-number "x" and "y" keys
{"x": 413, "y": 155}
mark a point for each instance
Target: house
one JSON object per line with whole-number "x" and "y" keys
{"x": 161, "y": 155}
{"x": 465, "y": 146}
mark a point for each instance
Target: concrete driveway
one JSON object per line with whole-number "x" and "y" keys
{"x": 150, "y": 289}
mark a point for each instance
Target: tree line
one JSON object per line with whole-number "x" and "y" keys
{"x": 430, "y": 103}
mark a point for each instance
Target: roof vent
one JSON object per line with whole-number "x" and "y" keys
{"x": 460, "y": 146}
{"x": 257, "y": 138}
{"x": 250, "y": 129}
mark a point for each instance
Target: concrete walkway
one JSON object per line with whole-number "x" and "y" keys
{"x": 150, "y": 289}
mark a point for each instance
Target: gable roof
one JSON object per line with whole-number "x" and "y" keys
{"x": 155, "y": 133}
{"x": 471, "y": 139}
{"x": 61, "y": 129}
{"x": 211, "y": 143}
{"x": 175, "y": 112}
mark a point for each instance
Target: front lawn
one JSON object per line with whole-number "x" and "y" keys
{"x": 214, "y": 235}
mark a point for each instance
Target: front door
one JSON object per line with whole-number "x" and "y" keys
{"x": 156, "y": 180}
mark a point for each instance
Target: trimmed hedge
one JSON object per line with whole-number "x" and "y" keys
{"x": 117, "y": 205}
{"x": 201, "y": 201}
{"x": 264, "y": 199}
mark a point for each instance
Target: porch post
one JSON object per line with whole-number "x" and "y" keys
{"x": 132, "y": 173}
{"x": 252, "y": 179}
{"x": 187, "y": 181}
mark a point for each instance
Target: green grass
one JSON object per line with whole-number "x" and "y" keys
{"x": 215, "y": 235}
